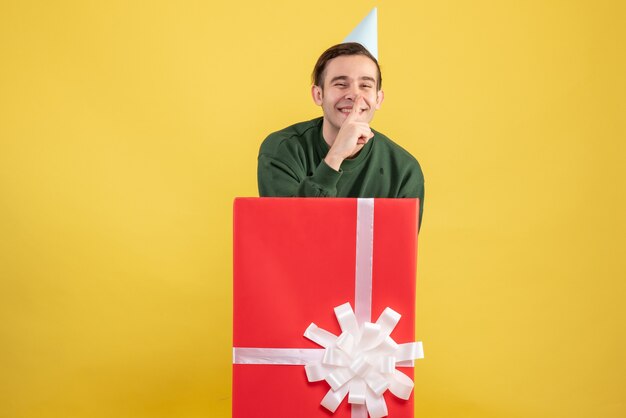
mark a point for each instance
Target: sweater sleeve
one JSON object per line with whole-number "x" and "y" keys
{"x": 413, "y": 186}
{"x": 287, "y": 177}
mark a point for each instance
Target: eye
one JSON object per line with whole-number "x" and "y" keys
{"x": 340, "y": 84}
{"x": 366, "y": 86}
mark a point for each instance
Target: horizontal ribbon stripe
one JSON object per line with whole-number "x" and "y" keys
{"x": 283, "y": 356}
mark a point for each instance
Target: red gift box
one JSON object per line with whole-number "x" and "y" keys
{"x": 295, "y": 259}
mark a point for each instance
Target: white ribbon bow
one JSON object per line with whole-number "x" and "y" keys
{"x": 362, "y": 361}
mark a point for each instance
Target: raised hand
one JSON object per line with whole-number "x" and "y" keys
{"x": 352, "y": 136}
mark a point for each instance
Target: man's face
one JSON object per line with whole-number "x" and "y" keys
{"x": 345, "y": 78}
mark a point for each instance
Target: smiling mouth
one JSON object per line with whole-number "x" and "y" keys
{"x": 347, "y": 110}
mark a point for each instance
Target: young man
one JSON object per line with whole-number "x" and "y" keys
{"x": 339, "y": 155}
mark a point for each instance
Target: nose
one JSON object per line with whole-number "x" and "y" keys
{"x": 352, "y": 91}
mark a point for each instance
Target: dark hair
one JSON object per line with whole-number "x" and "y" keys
{"x": 348, "y": 48}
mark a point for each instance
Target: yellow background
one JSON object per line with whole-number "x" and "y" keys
{"x": 127, "y": 128}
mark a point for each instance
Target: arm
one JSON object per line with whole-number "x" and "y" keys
{"x": 286, "y": 166}
{"x": 413, "y": 186}
{"x": 287, "y": 177}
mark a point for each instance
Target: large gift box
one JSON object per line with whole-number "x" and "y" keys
{"x": 341, "y": 271}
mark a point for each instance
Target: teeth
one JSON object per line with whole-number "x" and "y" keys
{"x": 348, "y": 110}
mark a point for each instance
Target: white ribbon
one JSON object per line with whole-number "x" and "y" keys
{"x": 364, "y": 256}
{"x": 287, "y": 356}
{"x": 361, "y": 362}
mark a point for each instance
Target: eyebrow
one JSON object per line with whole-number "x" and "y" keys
{"x": 345, "y": 77}
{"x": 340, "y": 77}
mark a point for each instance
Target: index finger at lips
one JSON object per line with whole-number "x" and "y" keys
{"x": 356, "y": 107}
{"x": 358, "y": 103}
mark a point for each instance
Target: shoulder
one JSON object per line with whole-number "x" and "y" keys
{"x": 292, "y": 136}
{"x": 398, "y": 155}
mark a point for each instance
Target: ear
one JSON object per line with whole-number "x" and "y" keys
{"x": 380, "y": 96}
{"x": 317, "y": 94}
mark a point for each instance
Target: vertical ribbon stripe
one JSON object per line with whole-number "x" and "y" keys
{"x": 358, "y": 411}
{"x": 364, "y": 254}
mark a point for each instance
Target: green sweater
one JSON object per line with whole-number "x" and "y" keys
{"x": 291, "y": 164}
